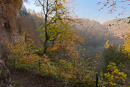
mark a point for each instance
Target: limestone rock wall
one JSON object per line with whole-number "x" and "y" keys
{"x": 5, "y": 79}
{"x": 10, "y": 24}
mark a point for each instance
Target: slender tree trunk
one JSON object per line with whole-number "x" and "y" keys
{"x": 46, "y": 36}
{"x": 46, "y": 33}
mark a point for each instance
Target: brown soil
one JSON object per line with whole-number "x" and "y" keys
{"x": 29, "y": 79}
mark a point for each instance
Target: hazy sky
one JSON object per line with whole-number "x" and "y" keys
{"x": 89, "y": 9}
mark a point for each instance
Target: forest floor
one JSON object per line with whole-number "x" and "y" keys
{"x": 30, "y": 79}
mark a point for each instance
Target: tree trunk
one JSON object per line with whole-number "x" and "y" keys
{"x": 46, "y": 32}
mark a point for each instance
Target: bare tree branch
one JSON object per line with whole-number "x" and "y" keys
{"x": 42, "y": 6}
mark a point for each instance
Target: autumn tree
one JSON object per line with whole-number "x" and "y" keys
{"x": 114, "y": 77}
{"x": 113, "y": 54}
{"x": 127, "y": 45}
{"x": 54, "y": 12}
{"x": 109, "y": 53}
{"x": 24, "y": 50}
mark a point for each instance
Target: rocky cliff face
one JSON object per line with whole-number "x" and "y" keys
{"x": 10, "y": 24}
{"x": 5, "y": 80}
{"x": 10, "y": 29}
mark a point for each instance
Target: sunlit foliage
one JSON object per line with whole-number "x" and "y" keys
{"x": 23, "y": 51}
{"x": 127, "y": 44}
{"x": 114, "y": 77}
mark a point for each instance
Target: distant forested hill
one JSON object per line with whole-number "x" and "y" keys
{"x": 119, "y": 27}
{"x": 31, "y": 24}
{"x": 95, "y": 35}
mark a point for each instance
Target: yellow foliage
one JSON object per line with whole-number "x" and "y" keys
{"x": 31, "y": 59}
{"x": 23, "y": 51}
{"x": 114, "y": 75}
{"x": 68, "y": 43}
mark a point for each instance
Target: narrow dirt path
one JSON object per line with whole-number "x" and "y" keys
{"x": 29, "y": 79}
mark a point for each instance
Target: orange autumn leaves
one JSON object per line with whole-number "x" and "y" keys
{"x": 23, "y": 51}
